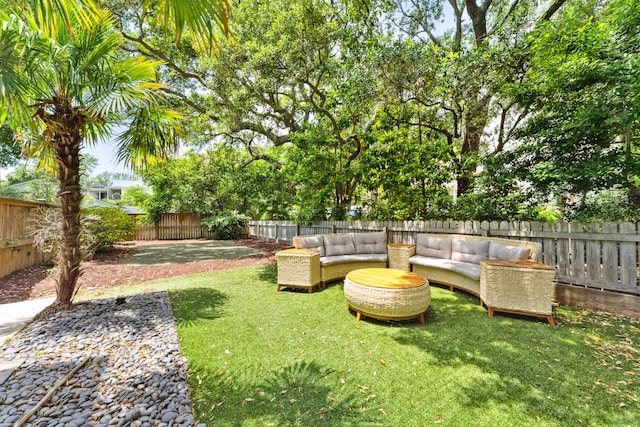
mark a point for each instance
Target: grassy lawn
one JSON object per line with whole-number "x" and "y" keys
{"x": 259, "y": 357}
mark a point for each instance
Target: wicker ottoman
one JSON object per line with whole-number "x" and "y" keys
{"x": 399, "y": 255}
{"x": 387, "y": 294}
{"x": 298, "y": 268}
{"x": 518, "y": 287}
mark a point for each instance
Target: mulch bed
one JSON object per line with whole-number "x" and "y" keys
{"x": 107, "y": 270}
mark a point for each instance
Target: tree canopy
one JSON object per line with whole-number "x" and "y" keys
{"x": 422, "y": 109}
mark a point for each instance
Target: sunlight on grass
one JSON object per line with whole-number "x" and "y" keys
{"x": 259, "y": 357}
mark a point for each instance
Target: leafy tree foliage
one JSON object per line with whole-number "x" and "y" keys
{"x": 583, "y": 86}
{"x": 108, "y": 226}
{"x": 215, "y": 184}
{"x": 446, "y": 77}
{"x": 136, "y": 195}
{"x": 522, "y": 104}
{"x": 300, "y": 74}
{"x": 10, "y": 151}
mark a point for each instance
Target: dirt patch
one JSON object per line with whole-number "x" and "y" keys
{"x": 189, "y": 252}
{"x": 111, "y": 268}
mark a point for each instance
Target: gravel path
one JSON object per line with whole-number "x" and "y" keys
{"x": 136, "y": 375}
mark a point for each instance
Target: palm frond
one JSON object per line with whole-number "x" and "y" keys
{"x": 56, "y": 18}
{"x": 125, "y": 86}
{"x": 206, "y": 19}
{"x": 153, "y": 134}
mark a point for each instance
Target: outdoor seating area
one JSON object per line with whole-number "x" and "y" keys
{"x": 330, "y": 369}
{"x": 514, "y": 283}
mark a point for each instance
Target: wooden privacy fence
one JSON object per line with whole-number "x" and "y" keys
{"x": 172, "y": 226}
{"x": 603, "y": 256}
{"x": 16, "y": 249}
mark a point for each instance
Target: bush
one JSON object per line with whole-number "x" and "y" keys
{"x": 44, "y": 226}
{"x": 109, "y": 225}
{"x": 227, "y": 227}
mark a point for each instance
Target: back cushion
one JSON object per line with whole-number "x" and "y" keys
{"x": 370, "y": 243}
{"x": 433, "y": 247}
{"x": 314, "y": 243}
{"x": 469, "y": 250}
{"x": 340, "y": 244}
{"x": 500, "y": 251}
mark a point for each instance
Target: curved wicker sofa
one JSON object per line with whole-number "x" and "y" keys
{"x": 454, "y": 259}
{"x": 342, "y": 253}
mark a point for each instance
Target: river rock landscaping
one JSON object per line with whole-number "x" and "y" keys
{"x": 135, "y": 374}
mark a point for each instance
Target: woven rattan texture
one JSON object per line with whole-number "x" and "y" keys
{"x": 298, "y": 269}
{"x": 518, "y": 289}
{"x": 330, "y": 273}
{"x": 449, "y": 278}
{"x": 399, "y": 256}
{"x": 387, "y": 302}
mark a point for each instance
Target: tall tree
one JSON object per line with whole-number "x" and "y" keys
{"x": 63, "y": 78}
{"x": 300, "y": 73}
{"x": 459, "y": 64}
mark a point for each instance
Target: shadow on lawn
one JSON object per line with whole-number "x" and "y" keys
{"x": 196, "y": 304}
{"x": 302, "y": 393}
{"x": 507, "y": 359}
{"x": 269, "y": 273}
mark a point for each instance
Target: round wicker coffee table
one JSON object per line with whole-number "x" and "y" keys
{"x": 387, "y": 294}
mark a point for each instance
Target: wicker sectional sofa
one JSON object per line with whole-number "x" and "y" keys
{"x": 454, "y": 259}
{"x": 342, "y": 253}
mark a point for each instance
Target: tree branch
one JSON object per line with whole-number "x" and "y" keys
{"x": 276, "y": 139}
{"x": 152, "y": 52}
{"x": 501, "y": 22}
{"x": 552, "y": 10}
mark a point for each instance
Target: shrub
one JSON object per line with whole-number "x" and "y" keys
{"x": 227, "y": 227}
{"x": 44, "y": 226}
{"x": 109, "y": 225}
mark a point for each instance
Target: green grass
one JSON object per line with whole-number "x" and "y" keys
{"x": 258, "y": 357}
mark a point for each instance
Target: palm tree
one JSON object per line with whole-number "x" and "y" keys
{"x": 65, "y": 81}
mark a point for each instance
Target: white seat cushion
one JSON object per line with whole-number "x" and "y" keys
{"x": 313, "y": 243}
{"x": 467, "y": 269}
{"x": 500, "y": 251}
{"x": 469, "y": 250}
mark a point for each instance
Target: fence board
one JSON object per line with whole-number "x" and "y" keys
{"x": 16, "y": 248}
{"x": 548, "y": 246}
{"x": 577, "y": 253}
{"x": 628, "y": 260}
{"x": 610, "y": 255}
{"x": 594, "y": 255}
{"x": 172, "y": 227}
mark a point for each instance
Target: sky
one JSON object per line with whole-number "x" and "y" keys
{"x": 105, "y": 152}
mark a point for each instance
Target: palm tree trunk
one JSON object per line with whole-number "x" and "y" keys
{"x": 67, "y": 151}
